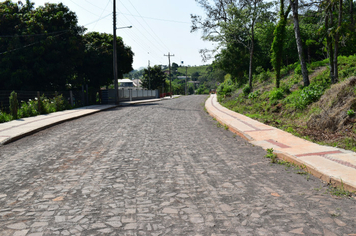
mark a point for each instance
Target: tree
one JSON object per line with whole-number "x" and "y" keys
{"x": 232, "y": 23}
{"x": 298, "y": 39}
{"x": 43, "y": 46}
{"x": 278, "y": 41}
{"x": 195, "y": 75}
{"x": 216, "y": 13}
{"x": 97, "y": 68}
{"x": 154, "y": 77}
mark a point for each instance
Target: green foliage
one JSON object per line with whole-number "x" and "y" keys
{"x": 276, "y": 94}
{"x": 298, "y": 70}
{"x": 262, "y": 75}
{"x": 246, "y": 90}
{"x": 14, "y": 104}
{"x": 54, "y": 55}
{"x": 96, "y": 69}
{"x": 153, "y": 78}
{"x": 287, "y": 69}
{"x": 339, "y": 191}
{"x": 30, "y": 108}
{"x": 317, "y": 64}
{"x": 226, "y": 88}
{"x": 202, "y": 90}
{"x": 45, "y": 61}
{"x": 5, "y": 117}
{"x": 351, "y": 113}
{"x": 254, "y": 94}
{"x": 300, "y": 99}
{"x": 271, "y": 155}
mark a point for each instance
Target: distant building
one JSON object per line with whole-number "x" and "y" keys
{"x": 183, "y": 77}
{"x": 126, "y": 83}
{"x": 137, "y": 83}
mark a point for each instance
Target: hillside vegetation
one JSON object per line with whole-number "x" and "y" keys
{"x": 322, "y": 112}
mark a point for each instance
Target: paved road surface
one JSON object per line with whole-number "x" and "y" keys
{"x": 164, "y": 168}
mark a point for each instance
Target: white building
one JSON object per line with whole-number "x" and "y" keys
{"x": 126, "y": 83}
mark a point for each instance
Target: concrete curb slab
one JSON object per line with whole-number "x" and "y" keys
{"x": 17, "y": 129}
{"x": 332, "y": 165}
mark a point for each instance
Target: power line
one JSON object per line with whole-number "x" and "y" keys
{"x": 151, "y": 18}
{"x": 99, "y": 7}
{"x": 26, "y": 46}
{"x": 31, "y": 35}
{"x": 144, "y": 29}
{"x": 141, "y": 43}
{"x": 149, "y": 27}
{"x": 96, "y": 21}
{"x": 102, "y": 13}
{"x": 84, "y": 8}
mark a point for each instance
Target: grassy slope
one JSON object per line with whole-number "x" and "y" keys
{"x": 191, "y": 70}
{"x": 318, "y": 113}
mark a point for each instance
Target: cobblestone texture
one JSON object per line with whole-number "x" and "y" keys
{"x": 157, "y": 169}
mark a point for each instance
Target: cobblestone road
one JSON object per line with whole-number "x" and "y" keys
{"x": 157, "y": 169}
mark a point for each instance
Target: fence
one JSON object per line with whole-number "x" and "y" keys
{"x": 108, "y": 95}
{"x": 78, "y": 98}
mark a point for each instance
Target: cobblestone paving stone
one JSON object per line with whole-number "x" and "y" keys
{"x": 157, "y": 169}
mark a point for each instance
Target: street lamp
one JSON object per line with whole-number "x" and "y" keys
{"x": 115, "y": 55}
{"x": 129, "y": 27}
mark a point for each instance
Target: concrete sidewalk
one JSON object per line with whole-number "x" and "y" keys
{"x": 333, "y": 165}
{"x": 16, "y": 129}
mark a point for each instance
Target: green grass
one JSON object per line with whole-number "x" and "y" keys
{"x": 193, "y": 69}
{"x": 290, "y": 107}
{"x": 339, "y": 191}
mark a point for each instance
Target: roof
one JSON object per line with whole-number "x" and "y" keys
{"x": 125, "y": 81}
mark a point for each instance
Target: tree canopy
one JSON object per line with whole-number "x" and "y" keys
{"x": 253, "y": 34}
{"x": 153, "y": 78}
{"x": 46, "y": 49}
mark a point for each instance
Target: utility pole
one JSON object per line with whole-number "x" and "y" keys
{"x": 149, "y": 76}
{"x": 115, "y": 57}
{"x": 170, "y": 77}
{"x": 186, "y": 73}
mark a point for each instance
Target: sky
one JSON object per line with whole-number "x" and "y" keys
{"x": 158, "y": 27}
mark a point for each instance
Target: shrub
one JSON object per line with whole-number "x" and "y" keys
{"x": 226, "y": 88}
{"x": 298, "y": 70}
{"x": 5, "y": 117}
{"x": 351, "y": 113}
{"x": 254, "y": 94}
{"x": 300, "y": 99}
{"x": 29, "y": 108}
{"x": 246, "y": 90}
{"x": 262, "y": 75}
{"x": 14, "y": 104}
{"x": 276, "y": 94}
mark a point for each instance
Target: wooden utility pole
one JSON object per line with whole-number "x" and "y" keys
{"x": 149, "y": 76}
{"x": 186, "y": 74}
{"x": 170, "y": 78}
{"x": 115, "y": 57}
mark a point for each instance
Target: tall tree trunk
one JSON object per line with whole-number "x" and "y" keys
{"x": 294, "y": 4}
{"x": 352, "y": 14}
{"x": 251, "y": 59}
{"x": 252, "y": 47}
{"x": 329, "y": 45}
{"x": 336, "y": 47}
{"x": 278, "y": 42}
